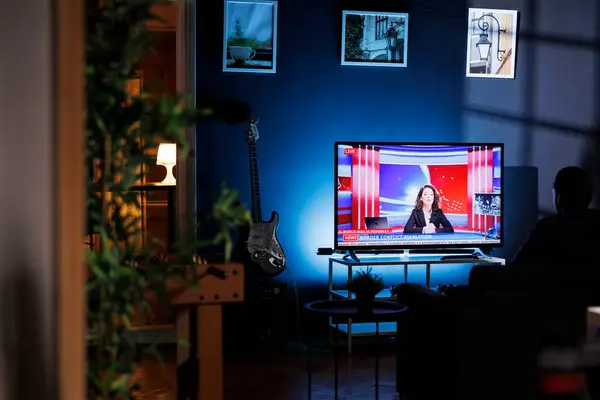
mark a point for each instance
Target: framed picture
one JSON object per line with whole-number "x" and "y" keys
{"x": 250, "y": 36}
{"x": 374, "y": 39}
{"x": 491, "y": 43}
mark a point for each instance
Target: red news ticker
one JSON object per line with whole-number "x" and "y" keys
{"x": 365, "y": 231}
{"x": 351, "y": 235}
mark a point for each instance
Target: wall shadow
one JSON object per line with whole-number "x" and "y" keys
{"x": 526, "y": 117}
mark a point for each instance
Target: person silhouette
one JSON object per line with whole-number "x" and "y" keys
{"x": 546, "y": 288}
{"x": 563, "y": 238}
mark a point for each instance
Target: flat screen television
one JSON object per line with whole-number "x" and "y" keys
{"x": 418, "y": 195}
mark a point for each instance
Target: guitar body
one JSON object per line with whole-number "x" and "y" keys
{"x": 264, "y": 247}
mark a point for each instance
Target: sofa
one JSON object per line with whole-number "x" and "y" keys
{"x": 482, "y": 341}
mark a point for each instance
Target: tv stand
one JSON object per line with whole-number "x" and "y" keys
{"x": 351, "y": 254}
{"x": 400, "y": 263}
{"x": 405, "y": 253}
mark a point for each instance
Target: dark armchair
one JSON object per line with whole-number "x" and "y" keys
{"x": 482, "y": 341}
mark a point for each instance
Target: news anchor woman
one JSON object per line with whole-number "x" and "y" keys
{"x": 427, "y": 216}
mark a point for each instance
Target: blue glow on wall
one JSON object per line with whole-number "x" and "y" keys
{"x": 313, "y": 101}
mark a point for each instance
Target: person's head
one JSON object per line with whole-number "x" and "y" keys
{"x": 573, "y": 189}
{"x": 428, "y": 196}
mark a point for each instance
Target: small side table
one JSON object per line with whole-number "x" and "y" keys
{"x": 382, "y": 311}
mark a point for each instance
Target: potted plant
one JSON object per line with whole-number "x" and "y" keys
{"x": 121, "y": 128}
{"x": 365, "y": 285}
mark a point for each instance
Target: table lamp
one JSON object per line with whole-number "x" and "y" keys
{"x": 167, "y": 156}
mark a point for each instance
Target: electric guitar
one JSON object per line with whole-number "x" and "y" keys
{"x": 263, "y": 245}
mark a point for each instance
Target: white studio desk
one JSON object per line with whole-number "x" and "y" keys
{"x": 400, "y": 260}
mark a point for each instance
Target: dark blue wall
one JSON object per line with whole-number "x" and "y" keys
{"x": 313, "y": 101}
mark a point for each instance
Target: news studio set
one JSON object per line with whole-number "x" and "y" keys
{"x": 378, "y": 187}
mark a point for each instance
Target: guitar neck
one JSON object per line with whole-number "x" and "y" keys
{"x": 254, "y": 185}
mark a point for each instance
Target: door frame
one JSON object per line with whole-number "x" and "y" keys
{"x": 186, "y": 83}
{"x": 68, "y": 37}
{"x": 186, "y": 168}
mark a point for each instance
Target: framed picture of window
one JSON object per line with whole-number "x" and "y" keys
{"x": 374, "y": 39}
{"x": 250, "y": 36}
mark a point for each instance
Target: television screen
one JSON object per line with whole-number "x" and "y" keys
{"x": 391, "y": 195}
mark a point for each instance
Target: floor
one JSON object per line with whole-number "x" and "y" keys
{"x": 283, "y": 375}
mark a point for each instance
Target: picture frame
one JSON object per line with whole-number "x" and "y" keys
{"x": 250, "y": 36}
{"x": 374, "y": 39}
{"x": 491, "y": 43}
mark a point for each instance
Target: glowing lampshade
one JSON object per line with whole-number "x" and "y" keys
{"x": 167, "y": 156}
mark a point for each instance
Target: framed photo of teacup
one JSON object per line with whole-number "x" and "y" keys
{"x": 250, "y": 36}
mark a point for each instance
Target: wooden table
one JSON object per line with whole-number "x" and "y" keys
{"x": 198, "y": 329}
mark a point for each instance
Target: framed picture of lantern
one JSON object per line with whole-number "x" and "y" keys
{"x": 491, "y": 43}
{"x": 374, "y": 39}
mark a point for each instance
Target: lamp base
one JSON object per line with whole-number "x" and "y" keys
{"x": 170, "y": 178}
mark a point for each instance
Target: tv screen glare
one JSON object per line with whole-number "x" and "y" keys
{"x": 377, "y": 202}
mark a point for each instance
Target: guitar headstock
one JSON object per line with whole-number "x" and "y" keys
{"x": 251, "y": 131}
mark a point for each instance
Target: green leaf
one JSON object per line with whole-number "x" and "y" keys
{"x": 121, "y": 383}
